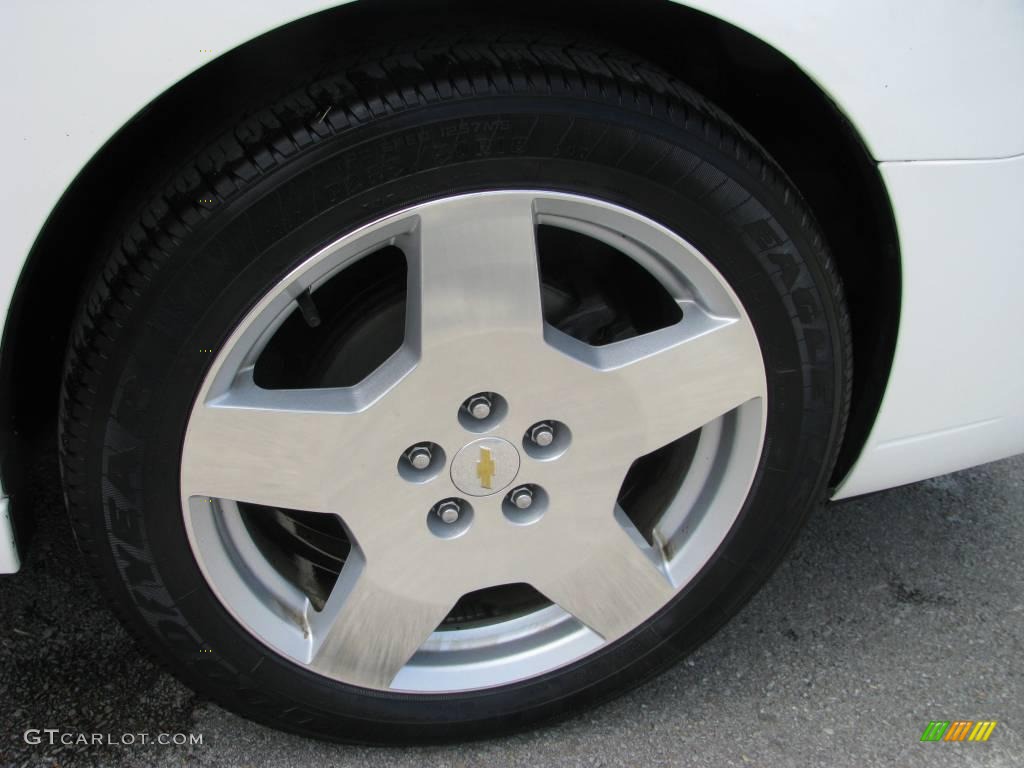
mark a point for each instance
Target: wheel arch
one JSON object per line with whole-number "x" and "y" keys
{"x": 758, "y": 85}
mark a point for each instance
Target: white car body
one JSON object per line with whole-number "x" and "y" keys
{"x": 932, "y": 87}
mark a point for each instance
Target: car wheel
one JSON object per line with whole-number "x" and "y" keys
{"x": 453, "y": 393}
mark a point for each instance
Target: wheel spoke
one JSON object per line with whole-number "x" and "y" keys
{"x": 371, "y": 625}
{"x": 614, "y": 583}
{"x": 277, "y": 452}
{"x": 658, "y": 387}
{"x": 474, "y": 276}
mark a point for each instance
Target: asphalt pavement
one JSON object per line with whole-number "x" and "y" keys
{"x": 892, "y": 611}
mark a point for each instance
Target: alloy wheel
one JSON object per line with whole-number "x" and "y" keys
{"x": 490, "y": 449}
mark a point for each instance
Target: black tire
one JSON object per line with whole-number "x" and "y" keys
{"x": 433, "y": 120}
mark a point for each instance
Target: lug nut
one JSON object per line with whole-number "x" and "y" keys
{"x": 479, "y": 407}
{"x": 542, "y": 434}
{"x": 522, "y": 497}
{"x": 525, "y": 504}
{"x": 449, "y": 512}
{"x": 419, "y": 456}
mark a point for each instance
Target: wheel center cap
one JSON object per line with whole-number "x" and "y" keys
{"x": 485, "y": 466}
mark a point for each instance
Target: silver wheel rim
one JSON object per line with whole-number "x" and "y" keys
{"x": 474, "y": 324}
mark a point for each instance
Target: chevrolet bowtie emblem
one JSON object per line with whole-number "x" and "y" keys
{"x": 485, "y": 468}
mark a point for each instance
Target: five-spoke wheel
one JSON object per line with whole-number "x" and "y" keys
{"x": 515, "y": 484}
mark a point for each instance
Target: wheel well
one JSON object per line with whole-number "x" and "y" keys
{"x": 761, "y": 88}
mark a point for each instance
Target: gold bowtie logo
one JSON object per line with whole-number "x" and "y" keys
{"x": 485, "y": 468}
